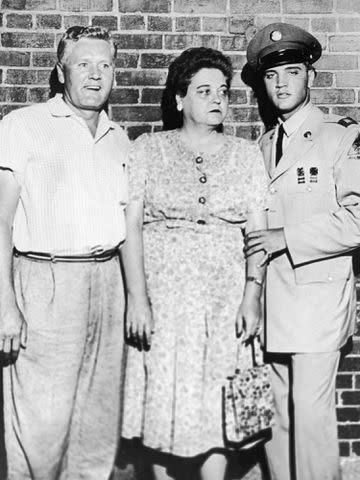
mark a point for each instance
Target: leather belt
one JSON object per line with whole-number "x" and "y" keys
{"x": 48, "y": 257}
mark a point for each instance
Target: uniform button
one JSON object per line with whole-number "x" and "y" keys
{"x": 330, "y": 278}
{"x": 199, "y": 160}
{"x": 309, "y": 189}
{"x": 201, "y": 222}
{"x": 202, "y": 179}
{"x": 202, "y": 200}
{"x": 272, "y": 190}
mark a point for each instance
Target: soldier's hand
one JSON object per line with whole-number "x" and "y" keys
{"x": 269, "y": 242}
{"x": 13, "y": 334}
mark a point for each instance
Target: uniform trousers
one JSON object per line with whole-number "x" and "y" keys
{"x": 305, "y": 416}
{"x": 62, "y": 396}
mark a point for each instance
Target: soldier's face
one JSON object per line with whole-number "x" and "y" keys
{"x": 87, "y": 73}
{"x": 287, "y": 87}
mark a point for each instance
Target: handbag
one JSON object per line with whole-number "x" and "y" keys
{"x": 248, "y": 400}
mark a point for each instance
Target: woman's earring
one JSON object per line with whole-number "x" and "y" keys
{"x": 179, "y": 107}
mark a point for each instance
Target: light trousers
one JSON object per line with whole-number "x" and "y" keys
{"x": 62, "y": 396}
{"x": 306, "y": 426}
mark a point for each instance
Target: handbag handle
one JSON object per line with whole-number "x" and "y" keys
{"x": 250, "y": 352}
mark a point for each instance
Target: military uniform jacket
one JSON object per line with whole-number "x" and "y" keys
{"x": 314, "y": 194}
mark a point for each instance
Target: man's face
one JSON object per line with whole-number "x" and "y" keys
{"x": 287, "y": 86}
{"x": 87, "y": 73}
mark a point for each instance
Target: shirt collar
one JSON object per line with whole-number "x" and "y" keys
{"x": 58, "y": 108}
{"x": 295, "y": 121}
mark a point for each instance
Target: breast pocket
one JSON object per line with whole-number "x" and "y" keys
{"x": 302, "y": 204}
{"x": 325, "y": 271}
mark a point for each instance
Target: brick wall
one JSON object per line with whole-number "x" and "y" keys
{"x": 149, "y": 33}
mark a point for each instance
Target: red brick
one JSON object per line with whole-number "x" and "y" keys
{"x": 238, "y": 61}
{"x": 308, "y": 6}
{"x": 302, "y": 22}
{"x": 44, "y": 59}
{"x": 187, "y": 24}
{"x": 38, "y": 95}
{"x": 348, "y": 6}
{"x": 136, "y": 114}
{"x": 145, "y": 77}
{"x": 12, "y": 94}
{"x": 344, "y": 381}
{"x": 214, "y": 24}
{"x": 332, "y": 95}
{"x": 349, "y": 364}
{"x": 323, "y": 24}
{"x": 138, "y": 41}
{"x": 205, "y": 6}
{"x": 255, "y": 6}
{"x": 181, "y": 42}
{"x": 26, "y": 40}
{"x": 263, "y": 20}
{"x": 350, "y": 24}
{"x": 132, "y": 22}
{"x": 344, "y": 43}
{"x": 351, "y": 414}
{"x": 238, "y": 97}
{"x": 48, "y": 21}
{"x": 151, "y": 95}
{"x": 159, "y": 24}
{"x": 42, "y": 5}
{"x": 323, "y": 79}
{"x": 71, "y": 20}
{"x": 344, "y": 449}
{"x": 86, "y": 5}
{"x": 12, "y": 58}
{"x": 106, "y": 21}
{"x": 337, "y": 62}
{"x": 24, "y": 77}
{"x": 349, "y": 431}
{"x": 1, "y": 75}
{"x": 242, "y": 25}
{"x": 15, "y": 20}
{"x": 137, "y": 130}
{"x": 153, "y": 6}
{"x": 351, "y": 397}
{"x": 127, "y": 60}
{"x": 251, "y": 132}
{"x": 356, "y": 448}
{"x": 229, "y": 129}
{"x": 156, "y": 60}
{"x": 357, "y": 382}
{"x": 124, "y": 95}
{"x": 243, "y": 114}
{"x": 237, "y": 42}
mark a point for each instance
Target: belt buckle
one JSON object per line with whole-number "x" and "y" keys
{"x": 53, "y": 258}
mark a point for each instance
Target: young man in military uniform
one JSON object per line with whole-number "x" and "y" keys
{"x": 313, "y": 160}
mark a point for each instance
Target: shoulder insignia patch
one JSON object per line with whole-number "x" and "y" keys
{"x": 346, "y": 122}
{"x": 354, "y": 151}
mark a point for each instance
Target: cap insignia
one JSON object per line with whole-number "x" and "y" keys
{"x": 275, "y": 35}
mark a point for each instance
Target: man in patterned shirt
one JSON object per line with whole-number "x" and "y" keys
{"x": 62, "y": 197}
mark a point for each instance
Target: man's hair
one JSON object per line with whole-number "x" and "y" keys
{"x": 181, "y": 71}
{"x": 75, "y": 33}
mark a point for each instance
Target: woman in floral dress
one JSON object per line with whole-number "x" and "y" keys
{"x": 193, "y": 192}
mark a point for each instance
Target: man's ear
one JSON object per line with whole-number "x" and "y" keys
{"x": 60, "y": 73}
{"x": 311, "y": 77}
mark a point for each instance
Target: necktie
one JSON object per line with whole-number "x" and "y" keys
{"x": 279, "y": 140}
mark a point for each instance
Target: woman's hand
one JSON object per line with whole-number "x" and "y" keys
{"x": 249, "y": 317}
{"x": 139, "y": 321}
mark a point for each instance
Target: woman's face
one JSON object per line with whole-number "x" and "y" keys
{"x": 207, "y": 98}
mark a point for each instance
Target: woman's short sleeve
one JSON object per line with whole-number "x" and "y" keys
{"x": 258, "y": 180}
{"x": 138, "y": 161}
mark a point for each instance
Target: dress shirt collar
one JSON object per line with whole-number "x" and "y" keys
{"x": 295, "y": 121}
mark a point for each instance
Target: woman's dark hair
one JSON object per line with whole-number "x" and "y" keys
{"x": 181, "y": 71}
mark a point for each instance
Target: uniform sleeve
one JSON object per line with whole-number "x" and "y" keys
{"x": 139, "y": 152}
{"x": 15, "y": 145}
{"x": 258, "y": 180}
{"x": 334, "y": 232}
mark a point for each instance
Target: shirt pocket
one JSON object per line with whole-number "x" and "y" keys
{"x": 325, "y": 271}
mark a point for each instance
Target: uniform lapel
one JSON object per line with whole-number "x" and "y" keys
{"x": 266, "y": 144}
{"x": 300, "y": 145}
